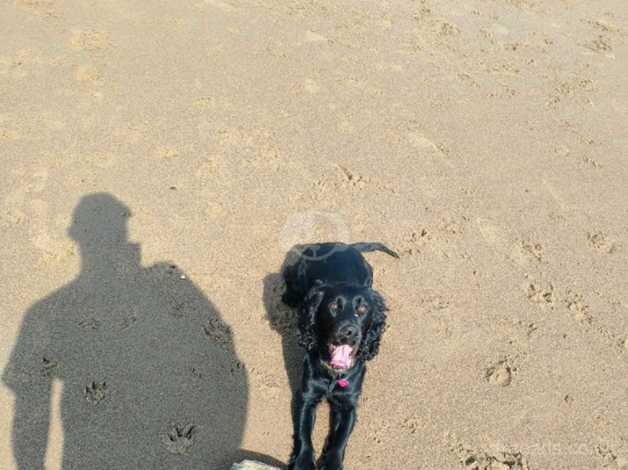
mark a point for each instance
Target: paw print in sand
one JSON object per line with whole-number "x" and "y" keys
{"x": 499, "y": 374}
{"x": 47, "y": 367}
{"x": 478, "y": 459}
{"x": 600, "y": 242}
{"x": 217, "y": 331}
{"x": 96, "y": 392}
{"x": 180, "y": 438}
{"x": 541, "y": 295}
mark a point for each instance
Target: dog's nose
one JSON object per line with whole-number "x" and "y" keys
{"x": 348, "y": 332}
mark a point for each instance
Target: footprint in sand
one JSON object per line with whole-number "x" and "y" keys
{"x": 600, "y": 45}
{"x": 352, "y": 180}
{"x": 205, "y": 102}
{"x": 47, "y": 367}
{"x": 600, "y": 242}
{"x": 89, "y": 40}
{"x": 90, "y": 323}
{"x": 95, "y": 392}
{"x": 179, "y": 438}
{"x": 217, "y": 332}
{"x": 412, "y": 424}
{"x": 12, "y": 211}
{"x": 125, "y": 323}
{"x": 415, "y": 242}
{"x": 478, "y": 459}
{"x": 499, "y": 374}
{"x": 533, "y": 249}
{"x": 539, "y": 294}
{"x": 102, "y": 160}
{"x": 575, "y": 303}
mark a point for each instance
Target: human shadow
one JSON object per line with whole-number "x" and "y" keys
{"x": 150, "y": 377}
{"x": 283, "y": 320}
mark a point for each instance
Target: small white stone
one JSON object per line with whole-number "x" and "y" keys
{"x": 251, "y": 465}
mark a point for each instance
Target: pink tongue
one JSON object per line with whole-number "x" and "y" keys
{"x": 341, "y": 356}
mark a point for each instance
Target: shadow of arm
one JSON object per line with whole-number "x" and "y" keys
{"x": 28, "y": 376}
{"x": 30, "y": 426}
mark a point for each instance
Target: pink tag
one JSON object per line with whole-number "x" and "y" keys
{"x": 343, "y": 383}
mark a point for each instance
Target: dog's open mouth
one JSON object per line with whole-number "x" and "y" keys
{"x": 341, "y": 356}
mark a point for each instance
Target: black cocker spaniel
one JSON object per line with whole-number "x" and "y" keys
{"x": 341, "y": 320}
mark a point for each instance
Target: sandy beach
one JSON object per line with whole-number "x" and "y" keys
{"x": 159, "y": 159}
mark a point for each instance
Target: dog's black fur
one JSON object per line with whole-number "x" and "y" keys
{"x": 330, "y": 285}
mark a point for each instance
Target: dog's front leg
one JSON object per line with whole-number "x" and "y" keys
{"x": 302, "y": 451}
{"x": 343, "y": 418}
{"x": 302, "y": 457}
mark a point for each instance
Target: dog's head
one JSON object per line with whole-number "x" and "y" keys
{"x": 344, "y": 322}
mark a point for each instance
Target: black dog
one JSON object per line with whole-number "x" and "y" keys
{"x": 341, "y": 320}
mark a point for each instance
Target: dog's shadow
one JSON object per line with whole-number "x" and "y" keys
{"x": 283, "y": 319}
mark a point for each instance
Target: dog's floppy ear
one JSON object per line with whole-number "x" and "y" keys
{"x": 307, "y": 329}
{"x": 370, "y": 344}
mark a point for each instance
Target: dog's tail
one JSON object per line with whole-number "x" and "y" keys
{"x": 367, "y": 247}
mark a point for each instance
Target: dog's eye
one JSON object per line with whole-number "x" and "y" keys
{"x": 362, "y": 309}
{"x": 333, "y": 306}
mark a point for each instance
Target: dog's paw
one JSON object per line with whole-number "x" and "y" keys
{"x": 303, "y": 461}
{"x": 330, "y": 461}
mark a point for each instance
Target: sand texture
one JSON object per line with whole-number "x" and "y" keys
{"x": 158, "y": 160}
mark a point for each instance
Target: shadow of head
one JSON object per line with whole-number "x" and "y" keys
{"x": 99, "y": 219}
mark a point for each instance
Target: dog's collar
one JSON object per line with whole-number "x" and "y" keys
{"x": 329, "y": 368}
{"x": 339, "y": 377}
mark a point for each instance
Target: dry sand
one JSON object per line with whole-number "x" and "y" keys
{"x": 158, "y": 159}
